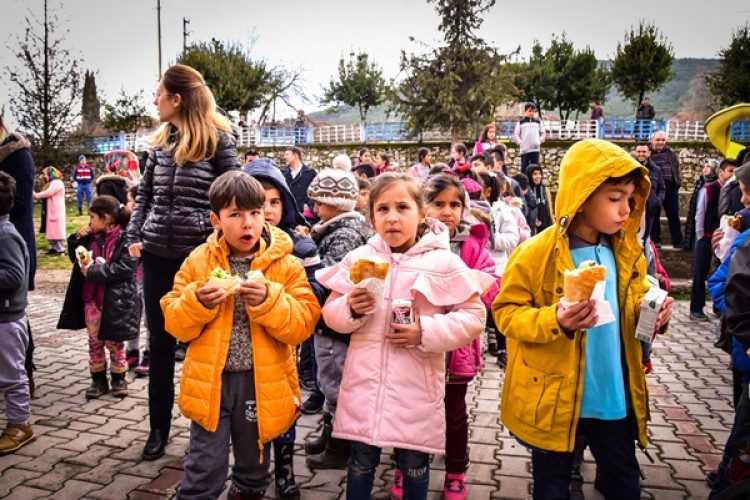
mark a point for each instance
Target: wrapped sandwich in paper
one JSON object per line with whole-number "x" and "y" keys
{"x": 83, "y": 256}
{"x": 587, "y": 283}
{"x": 370, "y": 275}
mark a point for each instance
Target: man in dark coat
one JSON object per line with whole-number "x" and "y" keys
{"x": 298, "y": 177}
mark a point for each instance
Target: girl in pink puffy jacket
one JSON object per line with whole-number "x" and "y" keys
{"x": 393, "y": 384}
{"x": 445, "y": 201}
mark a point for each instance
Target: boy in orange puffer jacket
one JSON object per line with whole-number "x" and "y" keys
{"x": 239, "y": 333}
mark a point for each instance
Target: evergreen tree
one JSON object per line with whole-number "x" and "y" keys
{"x": 48, "y": 82}
{"x": 642, "y": 63}
{"x": 126, "y": 113}
{"x": 730, "y": 83}
{"x": 457, "y": 86}
{"x": 359, "y": 83}
{"x": 563, "y": 78}
{"x": 90, "y": 106}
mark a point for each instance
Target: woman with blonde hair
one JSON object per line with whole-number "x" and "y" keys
{"x": 194, "y": 146}
{"x": 54, "y": 192}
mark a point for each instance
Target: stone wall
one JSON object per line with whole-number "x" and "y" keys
{"x": 405, "y": 155}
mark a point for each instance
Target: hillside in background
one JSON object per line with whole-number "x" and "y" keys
{"x": 684, "y": 96}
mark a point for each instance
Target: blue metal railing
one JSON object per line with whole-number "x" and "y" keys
{"x": 375, "y": 132}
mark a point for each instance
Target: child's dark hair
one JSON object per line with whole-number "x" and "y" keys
{"x": 460, "y": 149}
{"x": 363, "y": 184}
{"x": 727, "y": 162}
{"x": 385, "y": 157}
{"x": 7, "y": 193}
{"x": 522, "y": 180}
{"x": 386, "y": 181}
{"x": 498, "y": 154}
{"x": 633, "y": 177}
{"x": 366, "y": 169}
{"x": 484, "y": 158}
{"x": 422, "y": 153}
{"x": 363, "y": 151}
{"x": 489, "y": 181}
{"x": 246, "y": 192}
{"x": 439, "y": 183}
{"x": 109, "y": 205}
{"x": 133, "y": 190}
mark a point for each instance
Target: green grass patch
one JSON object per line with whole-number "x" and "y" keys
{"x": 73, "y": 224}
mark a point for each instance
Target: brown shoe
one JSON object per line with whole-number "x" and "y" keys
{"x": 15, "y": 437}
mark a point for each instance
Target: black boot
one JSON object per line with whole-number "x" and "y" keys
{"x": 317, "y": 445}
{"x": 99, "y": 386}
{"x": 119, "y": 385}
{"x": 335, "y": 456}
{"x": 283, "y": 457}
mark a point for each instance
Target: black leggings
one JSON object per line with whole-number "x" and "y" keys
{"x": 158, "y": 278}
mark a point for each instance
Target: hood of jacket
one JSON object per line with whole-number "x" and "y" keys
{"x": 589, "y": 163}
{"x": 264, "y": 169}
{"x": 14, "y": 142}
{"x": 274, "y": 245}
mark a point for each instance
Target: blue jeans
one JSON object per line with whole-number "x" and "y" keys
{"x": 84, "y": 191}
{"x": 363, "y": 461}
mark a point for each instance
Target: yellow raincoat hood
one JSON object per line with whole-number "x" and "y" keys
{"x": 586, "y": 165}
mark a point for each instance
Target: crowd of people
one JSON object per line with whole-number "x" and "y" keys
{"x": 251, "y": 268}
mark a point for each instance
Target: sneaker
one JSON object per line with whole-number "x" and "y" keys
{"x": 142, "y": 369}
{"x": 397, "y": 488}
{"x": 502, "y": 358}
{"x": 576, "y": 487}
{"x": 15, "y": 437}
{"x": 698, "y": 316}
{"x": 132, "y": 358}
{"x": 455, "y": 487}
{"x": 657, "y": 244}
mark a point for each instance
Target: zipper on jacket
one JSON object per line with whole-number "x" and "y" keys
{"x": 384, "y": 352}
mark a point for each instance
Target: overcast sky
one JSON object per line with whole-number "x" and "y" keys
{"x": 119, "y": 38}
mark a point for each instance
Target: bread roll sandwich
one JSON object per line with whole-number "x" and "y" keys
{"x": 735, "y": 222}
{"x": 579, "y": 283}
{"x": 366, "y": 268}
{"x": 302, "y": 230}
{"x": 229, "y": 282}
{"x": 83, "y": 256}
{"x": 254, "y": 275}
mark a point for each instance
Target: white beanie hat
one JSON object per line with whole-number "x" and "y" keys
{"x": 336, "y": 186}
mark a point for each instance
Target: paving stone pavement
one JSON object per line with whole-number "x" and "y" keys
{"x": 91, "y": 449}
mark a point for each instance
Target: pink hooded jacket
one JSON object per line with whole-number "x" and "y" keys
{"x": 465, "y": 363}
{"x": 393, "y": 397}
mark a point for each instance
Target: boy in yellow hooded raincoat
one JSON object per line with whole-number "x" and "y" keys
{"x": 564, "y": 375}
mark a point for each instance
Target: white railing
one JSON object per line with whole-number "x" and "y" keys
{"x": 355, "y": 133}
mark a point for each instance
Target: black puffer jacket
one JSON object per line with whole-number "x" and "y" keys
{"x": 171, "y": 215}
{"x": 121, "y": 310}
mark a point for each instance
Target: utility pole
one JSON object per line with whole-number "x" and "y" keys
{"x": 158, "y": 31}
{"x": 185, "y": 34}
